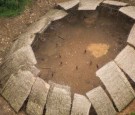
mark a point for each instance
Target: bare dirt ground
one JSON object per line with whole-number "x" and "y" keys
{"x": 12, "y": 27}
{"x": 76, "y": 47}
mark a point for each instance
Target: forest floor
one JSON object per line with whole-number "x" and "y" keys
{"x": 12, "y": 27}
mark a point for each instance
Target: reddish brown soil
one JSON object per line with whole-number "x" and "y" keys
{"x": 12, "y": 27}
{"x": 75, "y": 49}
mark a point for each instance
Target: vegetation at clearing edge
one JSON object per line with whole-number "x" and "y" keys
{"x": 133, "y": 113}
{"x": 10, "y": 8}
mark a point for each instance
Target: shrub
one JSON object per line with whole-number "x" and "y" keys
{"x": 12, "y": 7}
{"x": 133, "y": 113}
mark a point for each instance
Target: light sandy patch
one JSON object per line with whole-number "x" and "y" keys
{"x": 98, "y": 49}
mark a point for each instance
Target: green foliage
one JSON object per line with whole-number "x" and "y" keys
{"x": 12, "y": 7}
{"x": 133, "y": 113}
